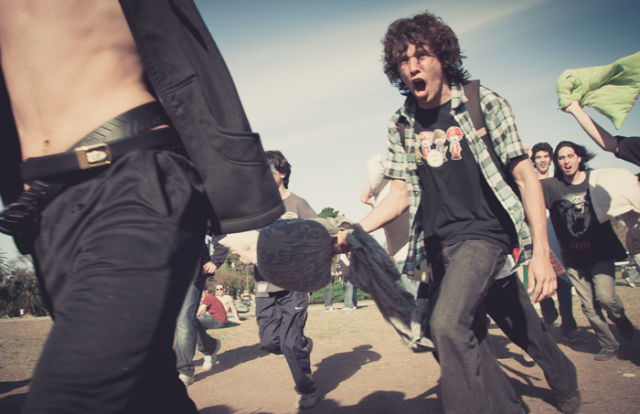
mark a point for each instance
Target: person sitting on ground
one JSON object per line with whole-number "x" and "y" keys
{"x": 229, "y": 305}
{"x": 211, "y": 314}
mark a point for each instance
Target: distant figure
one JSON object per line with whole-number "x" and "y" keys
{"x": 189, "y": 332}
{"x": 541, "y": 156}
{"x": 282, "y": 314}
{"x": 327, "y": 294}
{"x": 589, "y": 247}
{"x": 228, "y": 303}
{"x": 211, "y": 312}
{"x": 350, "y": 291}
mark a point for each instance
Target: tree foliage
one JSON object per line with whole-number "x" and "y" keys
{"x": 329, "y": 212}
{"x": 236, "y": 277}
{"x": 20, "y": 291}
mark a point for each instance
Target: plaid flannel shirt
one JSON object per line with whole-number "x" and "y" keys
{"x": 500, "y": 123}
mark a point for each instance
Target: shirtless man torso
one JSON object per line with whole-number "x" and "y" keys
{"x": 112, "y": 267}
{"x": 69, "y": 66}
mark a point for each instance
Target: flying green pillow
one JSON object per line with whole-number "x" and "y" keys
{"x": 611, "y": 89}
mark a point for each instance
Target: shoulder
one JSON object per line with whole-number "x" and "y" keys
{"x": 298, "y": 206}
{"x": 491, "y": 101}
{"x": 551, "y": 182}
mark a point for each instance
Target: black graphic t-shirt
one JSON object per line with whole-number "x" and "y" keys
{"x": 457, "y": 204}
{"x": 583, "y": 239}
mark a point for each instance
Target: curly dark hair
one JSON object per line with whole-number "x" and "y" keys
{"x": 540, "y": 146}
{"x": 280, "y": 163}
{"x": 421, "y": 30}
{"x": 580, "y": 151}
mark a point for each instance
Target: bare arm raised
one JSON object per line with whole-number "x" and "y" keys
{"x": 595, "y": 131}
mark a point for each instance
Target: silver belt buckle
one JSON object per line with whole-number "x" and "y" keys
{"x": 91, "y": 156}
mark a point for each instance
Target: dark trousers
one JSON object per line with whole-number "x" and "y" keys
{"x": 471, "y": 379}
{"x": 281, "y": 319}
{"x": 509, "y": 306}
{"x": 115, "y": 256}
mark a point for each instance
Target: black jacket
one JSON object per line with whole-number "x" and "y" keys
{"x": 190, "y": 79}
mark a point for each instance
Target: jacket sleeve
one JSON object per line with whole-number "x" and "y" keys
{"x": 219, "y": 251}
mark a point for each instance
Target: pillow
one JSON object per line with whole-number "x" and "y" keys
{"x": 610, "y": 89}
{"x": 295, "y": 254}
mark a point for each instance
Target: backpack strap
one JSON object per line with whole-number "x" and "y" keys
{"x": 401, "y": 127}
{"x": 472, "y": 92}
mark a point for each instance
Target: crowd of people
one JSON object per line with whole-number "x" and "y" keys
{"x": 124, "y": 223}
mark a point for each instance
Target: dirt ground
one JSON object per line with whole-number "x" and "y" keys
{"x": 359, "y": 366}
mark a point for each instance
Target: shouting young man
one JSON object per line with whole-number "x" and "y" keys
{"x": 466, "y": 220}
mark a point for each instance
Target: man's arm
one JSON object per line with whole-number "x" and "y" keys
{"x": 201, "y": 309}
{"x": 542, "y": 278}
{"x": 232, "y": 308}
{"x": 218, "y": 257}
{"x": 595, "y": 131}
{"x": 391, "y": 206}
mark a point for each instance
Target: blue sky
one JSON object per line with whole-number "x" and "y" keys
{"x": 310, "y": 75}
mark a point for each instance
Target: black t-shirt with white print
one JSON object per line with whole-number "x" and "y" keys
{"x": 457, "y": 204}
{"x": 583, "y": 239}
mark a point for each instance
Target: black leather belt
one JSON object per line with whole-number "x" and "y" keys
{"x": 127, "y": 131}
{"x": 96, "y": 155}
{"x": 48, "y": 176}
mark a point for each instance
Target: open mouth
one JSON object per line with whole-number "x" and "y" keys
{"x": 418, "y": 84}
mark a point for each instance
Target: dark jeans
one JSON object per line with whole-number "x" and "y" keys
{"x": 471, "y": 379}
{"x": 350, "y": 294}
{"x": 281, "y": 319}
{"x": 189, "y": 331}
{"x": 509, "y": 306}
{"x": 115, "y": 256}
{"x": 328, "y": 294}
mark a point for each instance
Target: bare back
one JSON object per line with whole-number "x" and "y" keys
{"x": 69, "y": 66}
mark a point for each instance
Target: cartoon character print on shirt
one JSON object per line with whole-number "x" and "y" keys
{"x": 425, "y": 140}
{"x": 454, "y": 135}
{"x": 432, "y": 146}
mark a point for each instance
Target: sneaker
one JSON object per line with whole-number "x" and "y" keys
{"x": 624, "y": 327}
{"x": 186, "y": 379}
{"x": 605, "y": 355}
{"x": 571, "y": 404}
{"x": 630, "y": 282}
{"x": 349, "y": 308}
{"x": 307, "y": 400}
{"x": 210, "y": 358}
{"x": 329, "y": 308}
